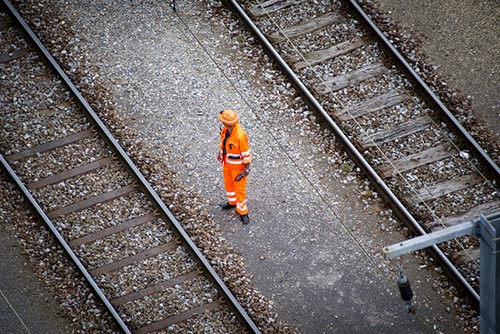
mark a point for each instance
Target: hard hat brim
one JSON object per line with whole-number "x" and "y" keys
{"x": 227, "y": 122}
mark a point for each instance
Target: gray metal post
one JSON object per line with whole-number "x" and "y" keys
{"x": 490, "y": 274}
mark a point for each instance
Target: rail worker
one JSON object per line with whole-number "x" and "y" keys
{"x": 234, "y": 157}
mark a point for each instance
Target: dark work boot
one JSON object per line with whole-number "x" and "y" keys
{"x": 227, "y": 206}
{"x": 245, "y": 219}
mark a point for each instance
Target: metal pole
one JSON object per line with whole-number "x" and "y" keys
{"x": 487, "y": 228}
{"x": 490, "y": 275}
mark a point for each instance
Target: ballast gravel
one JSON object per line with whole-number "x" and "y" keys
{"x": 143, "y": 91}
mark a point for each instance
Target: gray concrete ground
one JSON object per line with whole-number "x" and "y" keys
{"x": 313, "y": 243}
{"x": 25, "y": 307}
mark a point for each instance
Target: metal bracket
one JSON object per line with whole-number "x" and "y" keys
{"x": 487, "y": 229}
{"x": 430, "y": 239}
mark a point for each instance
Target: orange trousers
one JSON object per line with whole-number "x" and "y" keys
{"x": 235, "y": 190}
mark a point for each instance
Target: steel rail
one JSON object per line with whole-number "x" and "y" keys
{"x": 398, "y": 208}
{"x": 143, "y": 183}
{"x": 39, "y": 211}
{"x": 426, "y": 92}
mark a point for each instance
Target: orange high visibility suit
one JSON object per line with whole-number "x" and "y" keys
{"x": 235, "y": 153}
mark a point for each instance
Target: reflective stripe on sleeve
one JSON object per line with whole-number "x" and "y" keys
{"x": 247, "y": 157}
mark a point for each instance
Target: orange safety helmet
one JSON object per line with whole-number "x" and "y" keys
{"x": 228, "y": 117}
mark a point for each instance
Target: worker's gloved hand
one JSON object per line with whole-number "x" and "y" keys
{"x": 242, "y": 174}
{"x": 220, "y": 158}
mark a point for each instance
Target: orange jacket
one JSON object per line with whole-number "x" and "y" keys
{"x": 237, "y": 151}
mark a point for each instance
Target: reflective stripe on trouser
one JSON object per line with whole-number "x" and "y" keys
{"x": 236, "y": 190}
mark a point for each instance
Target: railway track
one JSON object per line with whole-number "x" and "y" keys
{"x": 416, "y": 154}
{"x": 122, "y": 237}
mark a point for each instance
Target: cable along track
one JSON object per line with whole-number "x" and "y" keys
{"x": 414, "y": 152}
{"x": 122, "y": 237}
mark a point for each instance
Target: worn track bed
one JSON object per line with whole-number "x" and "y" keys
{"x": 421, "y": 161}
{"x": 134, "y": 253}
